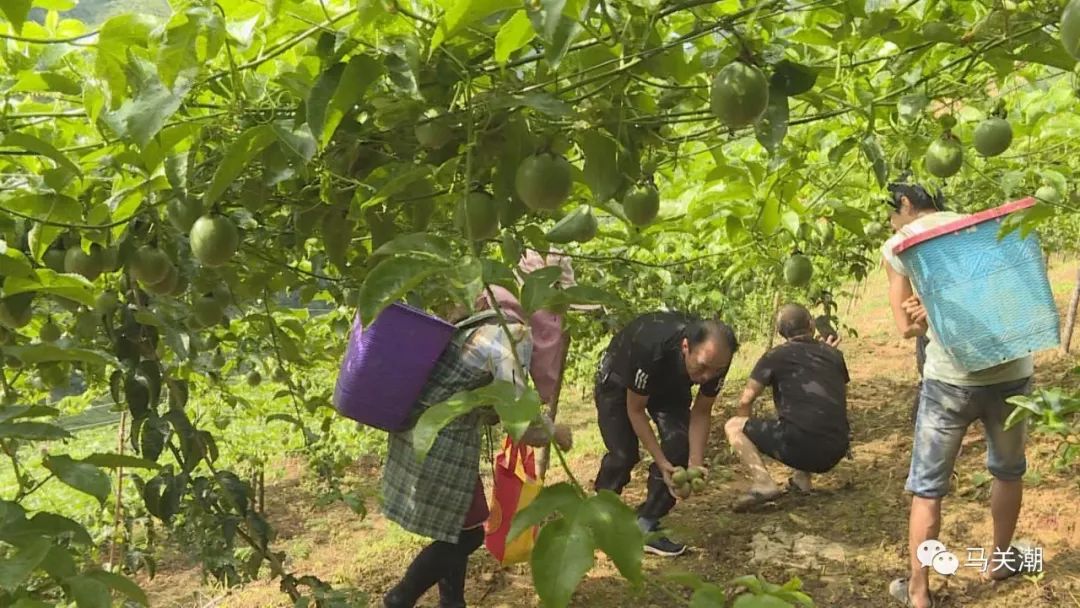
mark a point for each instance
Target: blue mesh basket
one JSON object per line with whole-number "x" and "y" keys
{"x": 988, "y": 300}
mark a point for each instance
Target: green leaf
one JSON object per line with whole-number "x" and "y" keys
{"x": 141, "y": 117}
{"x": 790, "y": 221}
{"x": 562, "y": 556}
{"x": 773, "y": 126}
{"x": 79, "y": 475}
{"x": 748, "y": 600}
{"x": 41, "y": 147}
{"x": 561, "y": 498}
{"x": 34, "y": 431}
{"x": 116, "y": 36}
{"x": 88, "y": 592}
{"x": 537, "y": 290}
{"x": 59, "y": 564}
{"x": 516, "y": 414}
{"x": 321, "y": 95}
{"x": 601, "y": 162}
{"x": 16, "y": 12}
{"x": 872, "y": 150}
{"x": 392, "y": 278}
{"x": 298, "y": 141}
{"x": 14, "y": 412}
{"x": 614, "y": 526}
{"x": 16, "y": 569}
{"x": 708, "y": 595}
{"x": 462, "y": 13}
{"x": 495, "y": 273}
{"x": 59, "y": 527}
{"x": 790, "y": 78}
{"x": 121, "y": 584}
{"x": 432, "y": 421}
{"x": 236, "y": 157}
{"x": 45, "y": 208}
{"x": 769, "y": 219}
{"x": 44, "y": 353}
{"x": 70, "y": 286}
{"x": 911, "y": 107}
{"x": 417, "y": 242}
{"x": 13, "y": 262}
{"x": 361, "y": 72}
{"x": 851, "y": 219}
{"x": 514, "y": 34}
{"x": 116, "y": 461}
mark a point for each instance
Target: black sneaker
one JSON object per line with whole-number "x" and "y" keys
{"x": 664, "y": 546}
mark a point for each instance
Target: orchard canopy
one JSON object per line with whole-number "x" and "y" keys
{"x": 172, "y": 181}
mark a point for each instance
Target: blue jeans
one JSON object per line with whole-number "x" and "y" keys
{"x": 945, "y": 413}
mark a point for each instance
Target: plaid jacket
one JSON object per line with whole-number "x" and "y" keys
{"x": 431, "y": 497}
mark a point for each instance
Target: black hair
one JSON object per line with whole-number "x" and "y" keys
{"x": 795, "y": 320}
{"x": 712, "y": 329}
{"x": 921, "y": 199}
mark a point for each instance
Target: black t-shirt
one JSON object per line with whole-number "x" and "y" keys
{"x": 646, "y": 358}
{"x": 809, "y": 382}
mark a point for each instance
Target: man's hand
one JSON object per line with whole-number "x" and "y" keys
{"x": 667, "y": 470}
{"x": 833, "y": 340}
{"x": 914, "y": 308}
{"x": 564, "y": 437}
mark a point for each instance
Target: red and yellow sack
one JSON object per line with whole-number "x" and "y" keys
{"x": 515, "y": 486}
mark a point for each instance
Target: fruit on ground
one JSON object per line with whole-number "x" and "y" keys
{"x": 580, "y": 226}
{"x": 993, "y": 136}
{"x": 150, "y": 265}
{"x": 481, "y": 216}
{"x": 944, "y": 157}
{"x": 89, "y": 265}
{"x": 739, "y": 95}
{"x": 797, "y": 270}
{"x": 214, "y": 240}
{"x": 207, "y": 310}
{"x": 641, "y": 204}
{"x": 1070, "y": 29}
{"x": 1048, "y": 194}
{"x": 543, "y": 181}
{"x": 15, "y": 310}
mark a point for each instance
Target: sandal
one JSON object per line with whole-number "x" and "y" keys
{"x": 753, "y": 499}
{"x": 1015, "y": 565}
{"x": 794, "y": 488}
{"x": 898, "y": 590}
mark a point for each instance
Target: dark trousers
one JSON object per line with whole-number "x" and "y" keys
{"x": 622, "y": 447}
{"x": 439, "y": 563}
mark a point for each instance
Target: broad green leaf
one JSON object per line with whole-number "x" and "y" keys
{"x": 790, "y": 79}
{"x": 121, "y": 584}
{"x": 463, "y": 13}
{"x": 79, "y": 475}
{"x": 708, "y": 595}
{"x": 70, "y": 286}
{"x": 614, "y": 526}
{"x": 911, "y": 107}
{"x": 13, "y": 262}
{"x": 750, "y": 581}
{"x": 851, "y": 219}
{"x": 42, "y": 147}
{"x": 116, "y": 461}
{"x": 394, "y": 277}
{"x": 361, "y": 72}
{"x": 790, "y": 221}
{"x": 34, "y": 431}
{"x": 16, "y": 569}
{"x": 14, "y": 412}
{"x": 514, "y": 34}
{"x": 417, "y": 242}
{"x": 559, "y": 44}
{"x": 773, "y": 126}
{"x": 562, "y": 556}
{"x": 236, "y": 157}
{"x": 29, "y": 603}
{"x": 495, "y": 273}
{"x": 32, "y": 354}
{"x": 439, "y": 415}
{"x": 59, "y": 564}
{"x": 44, "y": 208}
{"x": 141, "y": 117}
{"x": 516, "y": 414}
{"x": 601, "y": 165}
{"x": 298, "y": 141}
{"x": 769, "y": 219}
{"x": 88, "y": 592}
{"x": 115, "y": 38}
{"x": 562, "y": 498}
{"x": 320, "y": 97}
{"x": 16, "y": 12}
{"x": 59, "y": 527}
{"x": 872, "y": 150}
{"x": 537, "y": 290}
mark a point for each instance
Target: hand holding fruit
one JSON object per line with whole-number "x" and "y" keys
{"x": 685, "y": 482}
{"x": 564, "y": 437}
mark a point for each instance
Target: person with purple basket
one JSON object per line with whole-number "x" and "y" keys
{"x": 951, "y": 399}
{"x": 442, "y": 496}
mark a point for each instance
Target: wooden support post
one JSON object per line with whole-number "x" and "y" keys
{"x": 1070, "y": 317}
{"x": 553, "y": 409}
{"x": 118, "y": 514}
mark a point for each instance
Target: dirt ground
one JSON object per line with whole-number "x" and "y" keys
{"x": 845, "y": 542}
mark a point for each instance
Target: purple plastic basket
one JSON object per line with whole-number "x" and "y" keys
{"x": 386, "y": 366}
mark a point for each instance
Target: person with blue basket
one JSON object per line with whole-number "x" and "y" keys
{"x": 442, "y": 497}
{"x": 951, "y": 398}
